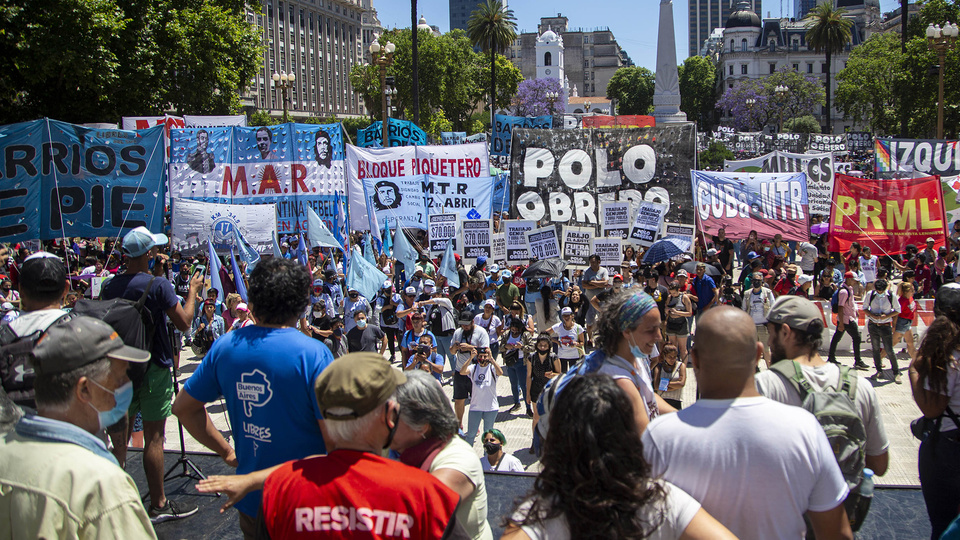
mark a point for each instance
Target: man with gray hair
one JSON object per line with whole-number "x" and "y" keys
{"x": 302, "y": 498}
{"x": 58, "y": 478}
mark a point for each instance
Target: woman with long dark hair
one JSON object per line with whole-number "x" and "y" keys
{"x": 594, "y": 481}
{"x": 935, "y": 381}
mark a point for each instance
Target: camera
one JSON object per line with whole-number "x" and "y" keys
{"x": 423, "y": 349}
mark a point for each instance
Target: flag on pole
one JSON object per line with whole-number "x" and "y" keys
{"x": 368, "y": 253}
{"x": 302, "y": 252}
{"x": 213, "y": 267}
{"x": 340, "y": 221}
{"x": 247, "y": 253}
{"x": 276, "y": 248}
{"x": 403, "y": 252}
{"x": 364, "y": 277}
{"x": 448, "y": 267}
{"x": 317, "y": 232}
{"x": 238, "y": 276}
{"x": 387, "y": 240}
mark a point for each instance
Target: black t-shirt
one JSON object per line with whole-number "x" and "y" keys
{"x": 161, "y": 298}
{"x": 366, "y": 340}
{"x": 182, "y": 285}
{"x": 725, "y": 248}
{"x": 659, "y": 294}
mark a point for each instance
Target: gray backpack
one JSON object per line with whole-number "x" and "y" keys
{"x": 835, "y": 408}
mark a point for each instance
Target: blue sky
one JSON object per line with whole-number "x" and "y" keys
{"x": 633, "y": 22}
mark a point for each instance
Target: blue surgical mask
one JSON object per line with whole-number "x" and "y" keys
{"x": 362, "y": 323}
{"x": 635, "y": 350}
{"x": 123, "y": 396}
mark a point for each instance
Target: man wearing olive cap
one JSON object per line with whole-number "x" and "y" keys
{"x": 331, "y": 495}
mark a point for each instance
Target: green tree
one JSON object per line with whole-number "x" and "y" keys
{"x": 262, "y": 118}
{"x": 508, "y": 80}
{"x": 492, "y": 27}
{"x": 802, "y": 124}
{"x": 714, "y": 155}
{"x": 632, "y": 87}
{"x": 698, "y": 97}
{"x": 869, "y": 89}
{"x": 829, "y": 33}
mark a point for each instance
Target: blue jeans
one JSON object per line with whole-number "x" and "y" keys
{"x": 443, "y": 349}
{"x": 473, "y": 423}
{"x": 517, "y": 374}
{"x": 494, "y": 349}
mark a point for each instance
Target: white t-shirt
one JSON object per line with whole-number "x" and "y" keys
{"x": 639, "y": 374}
{"x": 568, "y": 340}
{"x": 490, "y": 325}
{"x": 678, "y": 509}
{"x": 478, "y": 338}
{"x": 755, "y": 465}
{"x": 484, "y": 380}
{"x": 772, "y": 385}
{"x": 880, "y": 304}
{"x": 869, "y": 268}
{"x": 508, "y": 463}
{"x": 758, "y": 304}
{"x": 472, "y": 511}
{"x": 808, "y": 256}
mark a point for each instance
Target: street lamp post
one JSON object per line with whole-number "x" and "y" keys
{"x": 284, "y": 81}
{"x": 751, "y": 102}
{"x": 552, "y": 99}
{"x": 383, "y": 57}
{"x": 781, "y": 92}
{"x": 941, "y": 40}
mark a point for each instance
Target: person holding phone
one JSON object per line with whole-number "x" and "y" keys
{"x": 426, "y": 358}
{"x": 483, "y": 372}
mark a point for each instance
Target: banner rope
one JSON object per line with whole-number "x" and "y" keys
{"x": 56, "y": 187}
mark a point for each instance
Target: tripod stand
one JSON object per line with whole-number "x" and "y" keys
{"x": 190, "y": 469}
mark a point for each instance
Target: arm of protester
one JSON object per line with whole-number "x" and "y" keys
{"x": 194, "y": 417}
{"x": 931, "y": 404}
{"x": 235, "y": 486}
{"x": 639, "y": 408}
{"x": 703, "y": 526}
{"x": 663, "y": 406}
{"x": 465, "y": 370}
{"x": 831, "y": 524}
{"x": 496, "y": 367}
{"x": 681, "y": 380}
{"x": 878, "y": 464}
{"x": 456, "y": 481}
{"x": 182, "y": 316}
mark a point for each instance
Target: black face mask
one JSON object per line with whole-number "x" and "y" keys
{"x": 543, "y": 353}
{"x": 491, "y": 448}
{"x": 393, "y": 430}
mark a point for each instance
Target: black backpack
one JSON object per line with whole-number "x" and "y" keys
{"x": 17, "y": 374}
{"x": 132, "y": 321}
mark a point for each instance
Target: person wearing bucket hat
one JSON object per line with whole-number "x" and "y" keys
{"x": 357, "y": 396}
{"x": 55, "y": 459}
{"x": 154, "y": 395}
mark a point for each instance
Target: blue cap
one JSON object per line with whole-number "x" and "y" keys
{"x": 752, "y": 255}
{"x": 141, "y": 240}
{"x": 481, "y": 259}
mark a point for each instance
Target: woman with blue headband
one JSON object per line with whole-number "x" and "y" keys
{"x": 627, "y": 331}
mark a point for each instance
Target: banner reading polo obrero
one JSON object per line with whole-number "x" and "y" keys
{"x": 61, "y": 179}
{"x": 769, "y": 203}
{"x": 407, "y": 183}
{"x": 290, "y": 165}
{"x": 887, "y": 215}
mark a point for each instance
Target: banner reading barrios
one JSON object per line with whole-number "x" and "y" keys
{"x": 290, "y": 165}
{"x": 887, "y": 215}
{"x": 60, "y": 179}
{"x": 563, "y": 176}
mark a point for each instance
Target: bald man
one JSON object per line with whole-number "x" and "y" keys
{"x": 756, "y": 465}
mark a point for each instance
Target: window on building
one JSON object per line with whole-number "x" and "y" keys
{"x": 547, "y": 59}
{"x": 796, "y": 67}
{"x": 809, "y": 68}
{"x": 743, "y": 69}
{"x": 773, "y": 68}
{"x": 743, "y": 45}
{"x": 731, "y": 69}
{"x": 732, "y": 48}
{"x": 823, "y": 67}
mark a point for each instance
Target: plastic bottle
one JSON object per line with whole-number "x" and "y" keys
{"x": 866, "y": 497}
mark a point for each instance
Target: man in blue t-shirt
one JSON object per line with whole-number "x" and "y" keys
{"x": 266, "y": 373}
{"x": 705, "y": 289}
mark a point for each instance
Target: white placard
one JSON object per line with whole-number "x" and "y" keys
{"x": 679, "y": 230}
{"x": 543, "y": 243}
{"x": 615, "y": 219}
{"x": 476, "y": 234}
{"x": 577, "y": 246}
{"x": 443, "y": 228}
{"x": 498, "y": 246}
{"x": 516, "y": 239}
{"x": 609, "y": 251}
{"x": 646, "y": 227}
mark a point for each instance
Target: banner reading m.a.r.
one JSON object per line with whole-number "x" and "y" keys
{"x": 564, "y": 176}
{"x": 59, "y": 179}
{"x": 887, "y": 215}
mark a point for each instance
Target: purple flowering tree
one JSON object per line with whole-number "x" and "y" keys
{"x": 531, "y": 97}
{"x": 748, "y": 104}
{"x": 754, "y": 103}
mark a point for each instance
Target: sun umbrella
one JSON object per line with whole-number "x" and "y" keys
{"x": 666, "y": 248}
{"x": 545, "y": 269}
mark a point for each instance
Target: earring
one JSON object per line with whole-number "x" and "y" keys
{"x": 423, "y": 434}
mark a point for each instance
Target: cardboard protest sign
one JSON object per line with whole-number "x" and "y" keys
{"x": 543, "y": 243}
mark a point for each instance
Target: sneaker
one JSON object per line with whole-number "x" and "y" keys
{"x": 516, "y": 407}
{"x": 172, "y": 511}
{"x": 833, "y": 361}
{"x": 529, "y": 411}
{"x": 861, "y": 366}
{"x": 897, "y": 379}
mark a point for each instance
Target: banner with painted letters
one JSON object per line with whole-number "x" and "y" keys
{"x": 61, "y": 179}
{"x": 289, "y": 165}
{"x": 577, "y": 246}
{"x": 505, "y": 125}
{"x": 194, "y": 222}
{"x": 820, "y": 142}
{"x": 769, "y": 203}
{"x": 923, "y": 156}
{"x": 399, "y": 133}
{"x": 819, "y": 168}
{"x": 453, "y": 137}
{"x": 409, "y": 183}
{"x": 887, "y": 215}
{"x": 564, "y": 177}
{"x": 543, "y": 243}
{"x": 859, "y": 141}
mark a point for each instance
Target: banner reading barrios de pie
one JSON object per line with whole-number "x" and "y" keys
{"x": 888, "y": 214}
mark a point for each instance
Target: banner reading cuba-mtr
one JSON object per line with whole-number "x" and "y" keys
{"x": 769, "y": 203}
{"x": 886, "y": 214}
{"x": 59, "y": 179}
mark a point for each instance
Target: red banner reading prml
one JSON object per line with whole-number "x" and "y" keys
{"x": 886, "y": 214}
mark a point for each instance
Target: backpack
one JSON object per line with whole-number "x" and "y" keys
{"x": 17, "y": 374}
{"x": 835, "y": 408}
{"x": 868, "y": 304}
{"x": 131, "y": 320}
{"x": 835, "y": 299}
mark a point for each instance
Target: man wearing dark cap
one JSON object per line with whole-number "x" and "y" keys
{"x": 308, "y": 497}
{"x": 59, "y": 480}
{"x": 795, "y": 328}
{"x": 154, "y": 396}
{"x": 847, "y": 321}
{"x": 332, "y": 291}
{"x": 466, "y": 340}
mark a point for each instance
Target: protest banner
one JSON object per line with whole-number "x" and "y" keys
{"x": 769, "y": 203}
{"x": 923, "y": 156}
{"x": 859, "y": 141}
{"x": 399, "y": 133}
{"x": 786, "y": 142}
{"x": 543, "y": 243}
{"x": 453, "y": 137}
{"x": 476, "y": 239}
{"x": 679, "y": 230}
{"x": 647, "y": 226}
{"x": 477, "y": 137}
{"x": 819, "y": 142}
{"x": 887, "y": 215}
{"x": 609, "y": 251}
{"x": 565, "y": 176}
{"x": 620, "y": 121}
{"x": 443, "y": 228}
{"x": 409, "y": 183}
{"x": 504, "y": 126}
{"x": 577, "y": 246}
{"x": 289, "y": 165}
{"x": 819, "y": 168}
{"x": 498, "y": 248}
{"x": 515, "y": 231}
{"x": 62, "y": 179}
{"x": 615, "y": 219}
{"x": 194, "y": 222}
{"x": 200, "y": 121}
{"x": 951, "y": 198}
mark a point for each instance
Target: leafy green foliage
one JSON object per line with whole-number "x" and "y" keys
{"x": 829, "y": 34}
{"x": 802, "y": 124}
{"x": 632, "y": 87}
{"x": 492, "y": 27}
{"x": 714, "y": 155}
{"x": 698, "y": 94}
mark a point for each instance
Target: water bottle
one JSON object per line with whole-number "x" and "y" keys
{"x": 863, "y": 503}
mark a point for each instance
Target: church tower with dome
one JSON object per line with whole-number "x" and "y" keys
{"x": 550, "y": 63}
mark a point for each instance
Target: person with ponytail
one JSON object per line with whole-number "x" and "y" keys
{"x": 935, "y": 381}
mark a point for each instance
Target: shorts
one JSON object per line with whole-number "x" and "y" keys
{"x": 592, "y": 314}
{"x": 903, "y": 325}
{"x": 154, "y": 398}
{"x": 462, "y": 387}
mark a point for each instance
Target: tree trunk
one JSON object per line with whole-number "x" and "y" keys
{"x": 829, "y": 126}
{"x": 493, "y": 86}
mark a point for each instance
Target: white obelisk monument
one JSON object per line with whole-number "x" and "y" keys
{"x": 666, "y": 93}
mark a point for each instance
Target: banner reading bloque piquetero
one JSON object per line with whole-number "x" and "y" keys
{"x": 561, "y": 176}
{"x": 289, "y": 165}
{"x": 769, "y": 203}
{"x": 887, "y": 215}
{"x": 59, "y": 179}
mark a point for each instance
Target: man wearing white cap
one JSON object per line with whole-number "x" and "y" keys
{"x": 154, "y": 396}
{"x": 353, "y": 304}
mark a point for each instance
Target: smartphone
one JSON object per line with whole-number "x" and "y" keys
{"x": 201, "y": 269}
